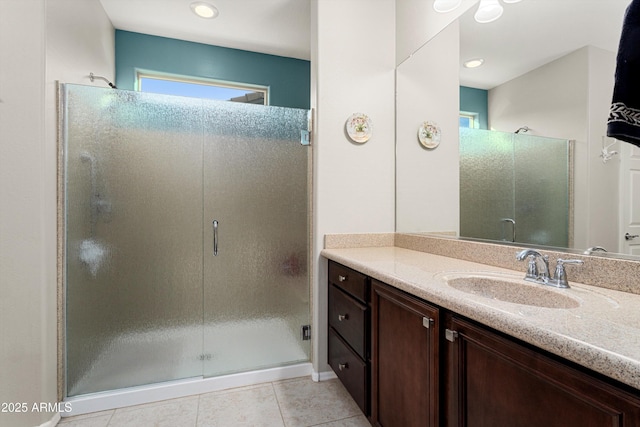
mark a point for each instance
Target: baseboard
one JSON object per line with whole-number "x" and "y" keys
{"x": 323, "y": 376}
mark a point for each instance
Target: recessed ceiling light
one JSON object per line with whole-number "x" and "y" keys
{"x": 444, "y": 6}
{"x": 204, "y": 10}
{"x": 473, "y": 63}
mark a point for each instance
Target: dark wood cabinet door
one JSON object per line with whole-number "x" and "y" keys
{"x": 404, "y": 359}
{"x": 495, "y": 381}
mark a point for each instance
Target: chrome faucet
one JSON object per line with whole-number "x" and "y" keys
{"x": 592, "y": 249}
{"x": 541, "y": 276}
{"x": 533, "y": 272}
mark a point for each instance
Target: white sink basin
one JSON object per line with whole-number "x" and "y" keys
{"x": 510, "y": 289}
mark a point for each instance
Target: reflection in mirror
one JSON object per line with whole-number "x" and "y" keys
{"x": 417, "y": 22}
{"x": 549, "y": 66}
{"x": 525, "y": 198}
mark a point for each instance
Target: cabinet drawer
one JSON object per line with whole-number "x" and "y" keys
{"x": 349, "y": 280}
{"x": 349, "y": 317}
{"x": 351, "y": 370}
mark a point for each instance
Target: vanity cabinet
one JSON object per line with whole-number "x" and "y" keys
{"x": 493, "y": 380}
{"x": 404, "y": 359}
{"x": 407, "y": 362}
{"x": 349, "y": 331}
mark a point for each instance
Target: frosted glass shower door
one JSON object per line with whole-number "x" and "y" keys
{"x": 256, "y": 286}
{"x": 145, "y": 176}
{"x": 543, "y": 190}
{"x": 519, "y": 180}
{"x": 486, "y": 184}
{"x": 133, "y": 196}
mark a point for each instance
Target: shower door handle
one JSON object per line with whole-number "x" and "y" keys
{"x": 215, "y": 237}
{"x": 513, "y": 228}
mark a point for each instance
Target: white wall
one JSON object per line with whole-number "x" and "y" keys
{"x": 353, "y": 61}
{"x": 603, "y": 177}
{"x": 427, "y": 187}
{"x": 40, "y": 42}
{"x": 569, "y": 98}
{"x": 25, "y": 275}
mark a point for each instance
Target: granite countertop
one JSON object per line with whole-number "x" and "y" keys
{"x": 602, "y": 333}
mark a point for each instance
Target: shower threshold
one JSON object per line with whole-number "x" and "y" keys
{"x": 226, "y": 368}
{"x": 131, "y": 396}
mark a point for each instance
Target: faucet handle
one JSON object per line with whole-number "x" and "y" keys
{"x": 562, "y": 262}
{"x": 560, "y": 277}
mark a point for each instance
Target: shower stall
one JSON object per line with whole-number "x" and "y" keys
{"x": 186, "y": 238}
{"x": 516, "y": 187}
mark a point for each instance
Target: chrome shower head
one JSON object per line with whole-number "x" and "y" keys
{"x": 92, "y": 77}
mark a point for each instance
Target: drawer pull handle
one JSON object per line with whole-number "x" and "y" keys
{"x": 342, "y": 317}
{"x": 343, "y": 366}
{"x": 342, "y": 278}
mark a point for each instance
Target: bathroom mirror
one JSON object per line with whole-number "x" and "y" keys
{"x": 522, "y": 90}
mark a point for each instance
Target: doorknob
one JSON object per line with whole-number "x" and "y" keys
{"x": 628, "y": 236}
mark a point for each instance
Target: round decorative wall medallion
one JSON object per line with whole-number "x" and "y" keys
{"x": 359, "y": 127}
{"x": 429, "y": 135}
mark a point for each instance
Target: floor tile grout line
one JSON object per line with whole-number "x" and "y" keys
{"x": 275, "y": 394}
{"x": 111, "y": 417}
{"x": 280, "y": 401}
{"x": 333, "y": 421}
{"x": 198, "y": 410}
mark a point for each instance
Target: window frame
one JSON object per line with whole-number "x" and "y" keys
{"x": 472, "y": 117}
{"x": 247, "y": 87}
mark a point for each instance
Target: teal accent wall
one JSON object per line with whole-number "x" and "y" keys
{"x": 288, "y": 79}
{"x": 475, "y": 101}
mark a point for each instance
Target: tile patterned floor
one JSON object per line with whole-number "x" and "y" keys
{"x": 298, "y": 402}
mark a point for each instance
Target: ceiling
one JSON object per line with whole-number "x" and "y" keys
{"x": 277, "y": 27}
{"x": 532, "y": 33}
{"x": 529, "y": 33}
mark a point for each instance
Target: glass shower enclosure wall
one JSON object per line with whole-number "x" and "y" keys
{"x": 515, "y": 187}
{"x": 186, "y": 237}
